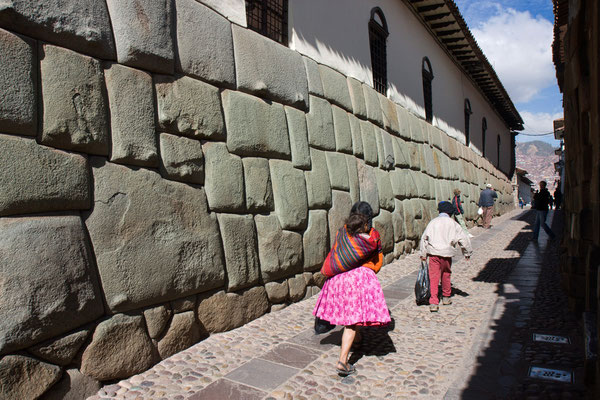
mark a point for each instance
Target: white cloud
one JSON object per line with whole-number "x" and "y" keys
{"x": 519, "y": 47}
{"x": 537, "y": 123}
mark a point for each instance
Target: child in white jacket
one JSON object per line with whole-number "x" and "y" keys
{"x": 438, "y": 243}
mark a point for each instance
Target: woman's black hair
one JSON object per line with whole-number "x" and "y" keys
{"x": 356, "y": 223}
{"x": 364, "y": 208}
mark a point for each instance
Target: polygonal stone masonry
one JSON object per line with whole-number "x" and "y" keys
{"x": 368, "y": 185}
{"x": 403, "y": 123}
{"x": 61, "y": 350}
{"x": 355, "y": 130}
{"x": 239, "y": 245}
{"x": 335, "y": 87}
{"x": 319, "y": 121}
{"x": 257, "y": 179}
{"x": 182, "y": 158}
{"x": 289, "y": 194}
{"x": 383, "y": 224}
{"x": 315, "y": 86}
{"x": 224, "y": 178}
{"x": 343, "y": 134}
{"x": 318, "y": 185}
{"x": 372, "y": 104}
{"x": 339, "y": 212}
{"x": 184, "y": 331}
{"x": 236, "y": 309}
{"x": 298, "y": 131}
{"x": 390, "y": 118}
{"x": 315, "y": 240}
{"x": 353, "y": 178}
{"x": 25, "y": 377}
{"x": 359, "y": 108}
{"x": 369, "y": 143}
{"x": 338, "y": 171}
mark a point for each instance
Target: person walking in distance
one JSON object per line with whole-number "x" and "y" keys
{"x": 438, "y": 243}
{"x": 541, "y": 200}
{"x": 486, "y": 202}
{"x": 458, "y": 211}
{"x": 557, "y": 197}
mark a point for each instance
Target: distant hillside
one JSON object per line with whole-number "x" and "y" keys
{"x": 537, "y": 158}
{"x": 535, "y": 148}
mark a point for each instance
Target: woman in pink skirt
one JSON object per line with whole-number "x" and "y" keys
{"x": 354, "y": 298}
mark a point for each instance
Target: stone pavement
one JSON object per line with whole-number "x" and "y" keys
{"x": 479, "y": 347}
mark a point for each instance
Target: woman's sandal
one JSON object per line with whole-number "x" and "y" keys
{"x": 345, "y": 369}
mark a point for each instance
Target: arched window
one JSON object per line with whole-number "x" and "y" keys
{"x": 498, "y": 151}
{"x": 269, "y": 18}
{"x": 378, "y": 33}
{"x": 483, "y": 129}
{"x": 468, "y": 113}
{"x": 427, "y": 73}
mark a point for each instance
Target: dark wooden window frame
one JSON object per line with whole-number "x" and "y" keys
{"x": 468, "y": 113}
{"x": 483, "y": 132}
{"x": 427, "y": 75}
{"x": 498, "y": 142}
{"x": 269, "y": 18}
{"x": 378, "y": 33}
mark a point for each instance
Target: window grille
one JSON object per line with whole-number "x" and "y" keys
{"x": 378, "y": 34}
{"x": 483, "y": 131}
{"x": 468, "y": 113}
{"x": 269, "y": 18}
{"x": 427, "y": 74}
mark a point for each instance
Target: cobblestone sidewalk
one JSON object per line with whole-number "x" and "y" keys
{"x": 420, "y": 355}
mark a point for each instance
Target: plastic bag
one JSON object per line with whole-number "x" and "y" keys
{"x": 422, "y": 292}
{"x": 322, "y": 326}
{"x": 480, "y": 211}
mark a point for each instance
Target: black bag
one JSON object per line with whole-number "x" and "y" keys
{"x": 322, "y": 326}
{"x": 422, "y": 292}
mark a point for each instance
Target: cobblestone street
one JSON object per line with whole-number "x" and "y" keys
{"x": 482, "y": 346}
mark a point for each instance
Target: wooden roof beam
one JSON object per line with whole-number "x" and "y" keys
{"x": 430, "y": 7}
{"x": 435, "y": 17}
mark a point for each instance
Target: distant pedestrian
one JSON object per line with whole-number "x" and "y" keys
{"x": 438, "y": 242}
{"x": 557, "y": 197}
{"x": 541, "y": 200}
{"x": 458, "y": 211}
{"x": 486, "y": 202}
{"x": 353, "y": 297}
{"x": 521, "y": 202}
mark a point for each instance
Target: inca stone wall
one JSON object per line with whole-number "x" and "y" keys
{"x": 161, "y": 184}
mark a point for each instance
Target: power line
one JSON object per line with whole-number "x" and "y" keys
{"x": 536, "y": 134}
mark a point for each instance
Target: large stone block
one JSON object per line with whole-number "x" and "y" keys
{"x": 120, "y": 348}
{"x": 277, "y": 292}
{"x": 183, "y": 332}
{"x": 429, "y": 161}
{"x": 339, "y": 212}
{"x": 335, "y": 87}
{"x": 369, "y": 142}
{"x": 421, "y": 183}
{"x": 49, "y": 285}
{"x": 315, "y": 86}
{"x": 189, "y": 107}
{"x": 338, "y": 171}
{"x": 357, "y": 143}
{"x": 384, "y": 186}
{"x": 343, "y": 135}
{"x": 143, "y": 33}
{"x": 416, "y": 130}
{"x": 315, "y": 240}
{"x": 81, "y": 25}
{"x": 18, "y": 84}
{"x": 383, "y": 224}
{"x": 154, "y": 239}
{"x": 157, "y": 319}
{"x": 372, "y": 104}
{"x": 398, "y": 221}
{"x": 296, "y": 122}
{"x": 74, "y": 101}
{"x": 255, "y": 127}
{"x": 280, "y": 251}
{"x": 319, "y": 120}
{"x": 257, "y": 177}
{"x": 73, "y": 386}
{"x": 269, "y": 69}
{"x": 390, "y": 118}
{"x": 318, "y": 186}
{"x": 297, "y": 286}
{"x": 414, "y": 158}
{"x": 235, "y": 309}
{"x": 353, "y": 178}
{"x": 131, "y": 100}
{"x": 359, "y": 108}
{"x": 24, "y": 377}
{"x": 398, "y": 182}
{"x": 61, "y": 350}
{"x": 385, "y": 149}
{"x": 412, "y": 191}
{"x": 182, "y": 158}
{"x": 36, "y": 178}
{"x": 224, "y": 180}
{"x": 368, "y": 185}
{"x": 289, "y": 194}
{"x": 401, "y": 156}
{"x": 204, "y": 44}
{"x": 403, "y": 123}
{"x": 239, "y": 245}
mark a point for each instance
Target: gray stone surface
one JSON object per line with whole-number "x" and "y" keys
{"x": 277, "y": 292}
{"x": 338, "y": 171}
{"x": 74, "y": 101}
{"x": 224, "y": 180}
{"x": 289, "y": 194}
{"x": 398, "y": 182}
{"x": 339, "y": 212}
{"x": 280, "y": 251}
{"x": 368, "y": 185}
{"x": 318, "y": 186}
{"x": 151, "y": 249}
{"x": 385, "y": 149}
{"x": 239, "y": 245}
{"x": 319, "y": 121}
{"x": 357, "y": 143}
{"x": 181, "y": 158}
{"x": 49, "y": 286}
{"x": 383, "y": 224}
{"x": 143, "y": 32}
{"x": 257, "y": 177}
{"x": 296, "y": 122}
{"x": 37, "y": 178}
{"x": 335, "y": 87}
{"x": 369, "y": 142}
{"x": 398, "y": 221}
{"x": 73, "y": 386}
{"x": 390, "y": 118}
{"x": 189, "y": 107}
{"x": 82, "y": 25}
{"x": 353, "y": 178}
{"x": 315, "y": 240}
{"x": 157, "y": 319}
{"x": 359, "y": 108}
{"x": 412, "y": 191}
{"x": 131, "y": 101}
{"x": 183, "y": 332}
{"x": 61, "y": 350}
{"x": 187, "y": 303}
{"x": 372, "y": 104}
{"x": 421, "y": 183}
{"x": 120, "y": 348}
{"x": 236, "y": 309}
{"x": 384, "y": 187}
{"x": 343, "y": 134}
{"x": 269, "y": 69}
{"x": 25, "y": 377}
{"x": 403, "y": 122}
{"x": 255, "y": 127}
{"x": 416, "y": 129}
{"x": 297, "y": 286}
{"x": 199, "y": 31}
{"x": 18, "y": 84}
{"x": 315, "y": 86}
{"x": 401, "y": 157}
{"x": 414, "y": 159}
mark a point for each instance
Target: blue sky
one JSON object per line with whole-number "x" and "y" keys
{"x": 516, "y": 37}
